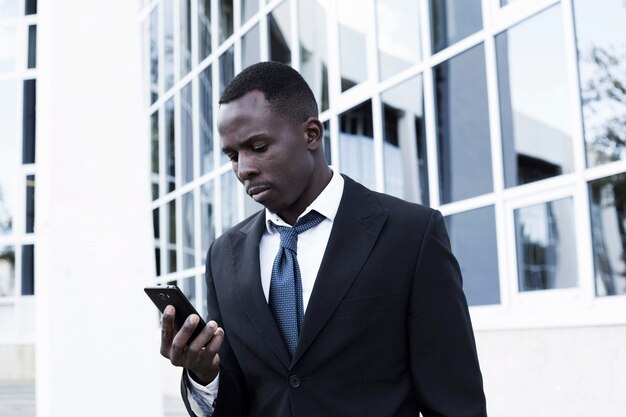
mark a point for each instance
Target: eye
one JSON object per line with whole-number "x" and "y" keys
{"x": 232, "y": 157}
{"x": 259, "y": 148}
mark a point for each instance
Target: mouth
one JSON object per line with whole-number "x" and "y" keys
{"x": 257, "y": 191}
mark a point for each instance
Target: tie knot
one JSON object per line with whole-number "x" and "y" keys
{"x": 289, "y": 235}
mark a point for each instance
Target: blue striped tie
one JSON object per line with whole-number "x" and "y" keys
{"x": 285, "y": 298}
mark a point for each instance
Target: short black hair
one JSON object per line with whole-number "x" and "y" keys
{"x": 286, "y": 92}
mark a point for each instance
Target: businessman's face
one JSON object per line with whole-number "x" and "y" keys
{"x": 271, "y": 156}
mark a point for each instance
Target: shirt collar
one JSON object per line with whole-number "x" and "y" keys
{"x": 327, "y": 203}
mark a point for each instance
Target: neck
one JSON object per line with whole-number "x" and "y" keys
{"x": 319, "y": 181}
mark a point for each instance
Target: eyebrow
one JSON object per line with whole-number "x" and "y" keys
{"x": 247, "y": 141}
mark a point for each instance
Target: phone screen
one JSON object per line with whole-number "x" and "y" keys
{"x": 162, "y": 296}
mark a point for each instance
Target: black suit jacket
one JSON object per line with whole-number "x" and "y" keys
{"x": 386, "y": 331}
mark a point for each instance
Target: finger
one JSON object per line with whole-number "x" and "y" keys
{"x": 215, "y": 344}
{"x": 203, "y": 337}
{"x": 179, "y": 343}
{"x": 167, "y": 330}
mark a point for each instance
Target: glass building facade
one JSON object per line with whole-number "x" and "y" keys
{"x": 506, "y": 116}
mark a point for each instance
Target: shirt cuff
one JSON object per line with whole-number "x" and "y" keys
{"x": 203, "y": 396}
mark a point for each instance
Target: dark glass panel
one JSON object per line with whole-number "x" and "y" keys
{"x": 157, "y": 259}
{"x": 185, "y": 37}
{"x": 470, "y": 230}
{"x": 204, "y": 29}
{"x": 156, "y": 225}
{"x": 250, "y": 47}
{"x": 227, "y": 73}
{"x": 170, "y": 133}
{"x": 452, "y": 21}
{"x": 28, "y": 270}
{"x": 31, "y": 7}
{"x": 608, "y": 227}
{"x": 314, "y": 48}
{"x": 546, "y": 246}
{"x": 280, "y": 34}
{"x": 186, "y": 133}
{"x": 463, "y": 127}
{"x": 601, "y": 41}
{"x": 171, "y": 236}
{"x": 353, "y": 41}
{"x": 398, "y": 34}
{"x": 168, "y": 41}
{"x": 206, "y": 121}
{"x": 207, "y": 213}
{"x": 327, "y": 151}
{"x": 226, "y": 19}
{"x": 32, "y": 46}
{"x": 406, "y": 168}
{"x": 30, "y": 203}
{"x": 154, "y": 154}
{"x": 7, "y": 271}
{"x": 154, "y": 54}
{"x": 356, "y": 144}
{"x": 29, "y": 118}
{"x": 189, "y": 246}
{"x": 534, "y": 105}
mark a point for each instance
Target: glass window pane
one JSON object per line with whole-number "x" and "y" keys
{"x": 170, "y": 133}
{"x": 154, "y": 54}
{"x": 32, "y": 46}
{"x": 29, "y": 117}
{"x": 226, "y": 19}
{"x": 31, "y": 7}
{"x": 9, "y": 157}
{"x": 201, "y": 303}
{"x": 470, "y": 230}
{"x": 9, "y": 8}
{"x": 398, "y": 24}
{"x": 8, "y": 41}
{"x": 327, "y": 145}
{"x": 206, "y": 121}
{"x": 608, "y": 227}
{"x": 154, "y": 154}
{"x": 188, "y": 287}
{"x": 156, "y": 227}
{"x": 230, "y": 208}
{"x": 279, "y": 27}
{"x": 534, "y": 105}
{"x": 204, "y": 29}
{"x": 248, "y": 9}
{"x": 601, "y": 38}
{"x": 406, "y": 169}
{"x": 250, "y": 47}
{"x": 28, "y": 270}
{"x": 227, "y": 73}
{"x": 463, "y": 126}
{"x": 189, "y": 247}
{"x": 168, "y": 41}
{"x": 186, "y": 133}
{"x": 171, "y": 236}
{"x": 354, "y": 17}
{"x": 546, "y": 246}
{"x": 356, "y": 144}
{"x": 185, "y": 37}
{"x": 454, "y": 20}
{"x": 7, "y": 271}
{"x": 30, "y": 203}
{"x": 207, "y": 213}
{"x": 314, "y": 48}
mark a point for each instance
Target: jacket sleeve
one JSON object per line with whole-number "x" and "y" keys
{"x": 444, "y": 364}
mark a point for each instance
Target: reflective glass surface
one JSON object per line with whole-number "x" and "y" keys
{"x": 207, "y": 216}
{"x": 154, "y": 54}
{"x": 168, "y": 41}
{"x": 453, "y": 20}
{"x": 8, "y": 41}
{"x": 534, "y": 104}
{"x": 601, "y": 41}
{"x": 28, "y": 121}
{"x": 278, "y": 23}
{"x": 32, "y": 47}
{"x": 189, "y": 247}
{"x": 185, "y": 37}
{"x": 188, "y": 287}
{"x": 354, "y": 17}
{"x": 186, "y": 133}
{"x": 9, "y": 157}
{"x": 463, "y": 126}
{"x": 406, "y": 173}
{"x": 356, "y": 144}
{"x": 248, "y": 9}
{"x": 31, "y": 6}
{"x": 171, "y": 236}
{"x": 206, "y": 121}
{"x": 608, "y": 227}
{"x": 327, "y": 145}
{"x": 156, "y": 227}
{"x": 230, "y": 208}
{"x": 225, "y": 19}
{"x": 7, "y": 271}
{"x": 250, "y": 47}
{"x": 398, "y": 24}
{"x": 30, "y": 203}
{"x": 227, "y": 73}
{"x": 468, "y": 231}
{"x": 28, "y": 270}
{"x": 314, "y": 47}
{"x": 170, "y": 146}
{"x": 154, "y": 154}
{"x": 546, "y": 246}
{"x": 204, "y": 29}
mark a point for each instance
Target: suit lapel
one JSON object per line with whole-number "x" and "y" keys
{"x": 356, "y": 227}
{"x": 247, "y": 276}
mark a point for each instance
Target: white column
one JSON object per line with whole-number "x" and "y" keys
{"x": 97, "y": 338}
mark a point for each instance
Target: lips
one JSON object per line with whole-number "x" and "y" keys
{"x": 256, "y": 189}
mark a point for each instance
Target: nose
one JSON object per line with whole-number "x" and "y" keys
{"x": 245, "y": 167}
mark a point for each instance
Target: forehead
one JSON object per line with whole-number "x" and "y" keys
{"x": 248, "y": 110}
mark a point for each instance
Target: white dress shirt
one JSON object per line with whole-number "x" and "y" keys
{"x": 311, "y": 247}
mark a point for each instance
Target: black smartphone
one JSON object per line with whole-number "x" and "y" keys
{"x": 164, "y": 295}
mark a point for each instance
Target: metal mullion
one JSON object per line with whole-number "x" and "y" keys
{"x": 483, "y": 200}
{"x": 334, "y": 70}
{"x": 335, "y": 154}
{"x": 194, "y": 35}
{"x": 295, "y": 38}
{"x": 377, "y": 125}
{"x": 517, "y": 12}
{"x": 605, "y": 170}
{"x": 162, "y": 207}
{"x": 161, "y": 48}
{"x": 263, "y": 35}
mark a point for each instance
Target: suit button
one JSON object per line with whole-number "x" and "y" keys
{"x": 294, "y": 381}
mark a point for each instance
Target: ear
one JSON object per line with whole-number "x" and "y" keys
{"x": 313, "y": 132}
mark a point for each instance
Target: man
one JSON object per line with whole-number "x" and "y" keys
{"x": 333, "y": 301}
